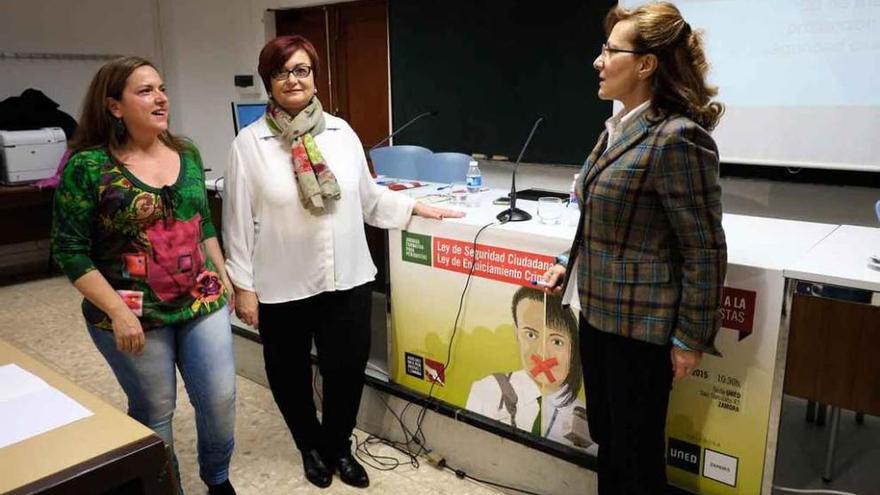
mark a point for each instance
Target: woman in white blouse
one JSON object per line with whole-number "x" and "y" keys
{"x": 298, "y": 192}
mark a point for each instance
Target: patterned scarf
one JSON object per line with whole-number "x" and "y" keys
{"x": 313, "y": 177}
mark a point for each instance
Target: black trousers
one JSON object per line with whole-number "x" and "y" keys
{"x": 627, "y": 383}
{"x": 339, "y": 324}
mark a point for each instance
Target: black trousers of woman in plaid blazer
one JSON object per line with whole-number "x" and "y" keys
{"x": 627, "y": 382}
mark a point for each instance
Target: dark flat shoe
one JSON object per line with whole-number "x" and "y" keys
{"x": 351, "y": 472}
{"x": 316, "y": 471}
{"x": 224, "y": 488}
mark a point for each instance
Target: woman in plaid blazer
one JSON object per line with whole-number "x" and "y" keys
{"x": 649, "y": 257}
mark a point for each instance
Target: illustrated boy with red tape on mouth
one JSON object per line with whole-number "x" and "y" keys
{"x": 543, "y": 396}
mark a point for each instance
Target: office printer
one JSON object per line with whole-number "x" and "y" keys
{"x": 27, "y": 156}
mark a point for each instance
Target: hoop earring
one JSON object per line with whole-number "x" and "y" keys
{"x": 119, "y": 130}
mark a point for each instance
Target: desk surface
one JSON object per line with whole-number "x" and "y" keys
{"x": 841, "y": 259}
{"x": 768, "y": 243}
{"x": 804, "y": 249}
{"x": 63, "y": 448}
{"x": 484, "y": 212}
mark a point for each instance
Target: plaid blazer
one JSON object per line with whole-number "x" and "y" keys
{"x": 651, "y": 253}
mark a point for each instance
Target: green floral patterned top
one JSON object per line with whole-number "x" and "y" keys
{"x": 146, "y": 241}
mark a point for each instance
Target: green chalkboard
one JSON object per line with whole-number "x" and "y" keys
{"x": 490, "y": 67}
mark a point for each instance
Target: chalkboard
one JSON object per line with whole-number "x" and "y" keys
{"x": 490, "y": 67}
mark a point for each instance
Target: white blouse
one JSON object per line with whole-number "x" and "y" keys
{"x": 279, "y": 249}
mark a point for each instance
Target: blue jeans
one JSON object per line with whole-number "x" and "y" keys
{"x": 202, "y": 350}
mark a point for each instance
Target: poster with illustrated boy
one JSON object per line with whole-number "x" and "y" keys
{"x": 514, "y": 356}
{"x": 543, "y": 396}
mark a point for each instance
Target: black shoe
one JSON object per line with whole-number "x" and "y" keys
{"x": 351, "y": 472}
{"x": 315, "y": 469}
{"x": 224, "y": 488}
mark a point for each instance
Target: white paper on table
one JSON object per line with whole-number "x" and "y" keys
{"x": 30, "y": 406}
{"x": 16, "y": 382}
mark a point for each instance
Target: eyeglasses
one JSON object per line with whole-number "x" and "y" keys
{"x": 299, "y": 72}
{"x": 606, "y": 50}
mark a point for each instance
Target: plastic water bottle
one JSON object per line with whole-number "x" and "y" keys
{"x": 474, "y": 178}
{"x": 572, "y": 195}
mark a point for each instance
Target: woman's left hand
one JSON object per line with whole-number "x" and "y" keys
{"x": 684, "y": 362}
{"x": 428, "y": 211}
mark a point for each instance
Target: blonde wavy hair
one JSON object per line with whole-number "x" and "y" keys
{"x": 679, "y": 83}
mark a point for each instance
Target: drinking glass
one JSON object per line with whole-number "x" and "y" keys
{"x": 458, "y": 193}
{"x": 549, "y": 209}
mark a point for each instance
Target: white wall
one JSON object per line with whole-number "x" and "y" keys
{"x": 205, "y": 44}
{"x": 198, "y": 46}
{"x": 102, "y": 27}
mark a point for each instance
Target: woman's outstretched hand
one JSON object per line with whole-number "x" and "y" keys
{"x": 427, "y": 211}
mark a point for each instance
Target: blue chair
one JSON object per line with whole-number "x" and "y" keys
{"x": 444, "y": 167}
{"x": 398, "y": 162}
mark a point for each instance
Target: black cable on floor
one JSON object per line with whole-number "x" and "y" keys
{"x": 461, "y": 474}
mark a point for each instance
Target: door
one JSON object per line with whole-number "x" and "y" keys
{"x": 352, "y": 41}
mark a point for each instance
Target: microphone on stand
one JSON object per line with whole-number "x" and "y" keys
{"x": 514, "y": 214}
{"x": 432, "y": 113}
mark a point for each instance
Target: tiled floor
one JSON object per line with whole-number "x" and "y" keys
{"x": 801, "y": 458}
{"x": 42, "y": 318}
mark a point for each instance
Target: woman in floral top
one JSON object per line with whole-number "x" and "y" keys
{"x": 132, "y": 230}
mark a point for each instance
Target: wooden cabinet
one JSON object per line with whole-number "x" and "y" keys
{"x": 25, "y": 213}
{"x": 832, "y": 353}
{"x": 25, "y": 224}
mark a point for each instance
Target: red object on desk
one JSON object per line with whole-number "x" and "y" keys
{"x": 399, "y": 186}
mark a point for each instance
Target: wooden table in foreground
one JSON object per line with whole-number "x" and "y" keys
{"x": 105, "y": 452}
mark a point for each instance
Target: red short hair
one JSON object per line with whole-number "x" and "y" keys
{"x": 277, "y": 51}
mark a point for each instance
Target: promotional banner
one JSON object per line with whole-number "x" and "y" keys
{"x": 515, "y": 359}
{"x": 719, "y": 417}
{"x": 515, "y": 355}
